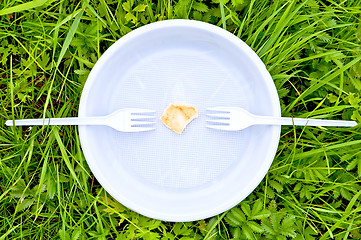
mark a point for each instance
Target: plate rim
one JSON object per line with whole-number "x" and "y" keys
{"x": 276, "y": 130}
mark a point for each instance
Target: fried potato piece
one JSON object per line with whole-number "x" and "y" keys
{"x": 177, "y": 116}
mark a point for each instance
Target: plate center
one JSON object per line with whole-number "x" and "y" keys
{"x": 199, "y": 155}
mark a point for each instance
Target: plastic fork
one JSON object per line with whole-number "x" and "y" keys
{"x": 235, "y": 118}
{"x": 124, "y": 120}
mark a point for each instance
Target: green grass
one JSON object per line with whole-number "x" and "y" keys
{"x": 313, "y": 52}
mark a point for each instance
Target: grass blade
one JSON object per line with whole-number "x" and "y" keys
{"x": 222, "y": 14}
{"x": 69, "y": 36}
{"x": 323, "y": 81}
{"x": 24, "y": 6}
{"x": 67, "y": 41}
{"x": 65, "y": 156}
{"x": 8, "y": 232}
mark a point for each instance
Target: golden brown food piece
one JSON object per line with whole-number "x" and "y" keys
{"x": 177, "y": 116}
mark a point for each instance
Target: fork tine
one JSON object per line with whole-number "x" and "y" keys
{"x": 139, "y": 123}
{"x": 225, "y": 121}
{"x": 220, "y": 127}
{"x": 219, "y": 109}
{"x": 140, "y": 110}
{"x": 136, "y": 117}
{"x": 139, "y": 129}
{"x": 218, "y": 115}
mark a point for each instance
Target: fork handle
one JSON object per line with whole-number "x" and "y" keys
{"x": 57, "y": 121}
{"x": 303, "y": 122}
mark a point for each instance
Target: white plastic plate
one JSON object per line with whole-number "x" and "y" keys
{"x": 202, "y": 172}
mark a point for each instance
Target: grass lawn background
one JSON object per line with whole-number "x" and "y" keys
{"x": 312, "y": 50}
